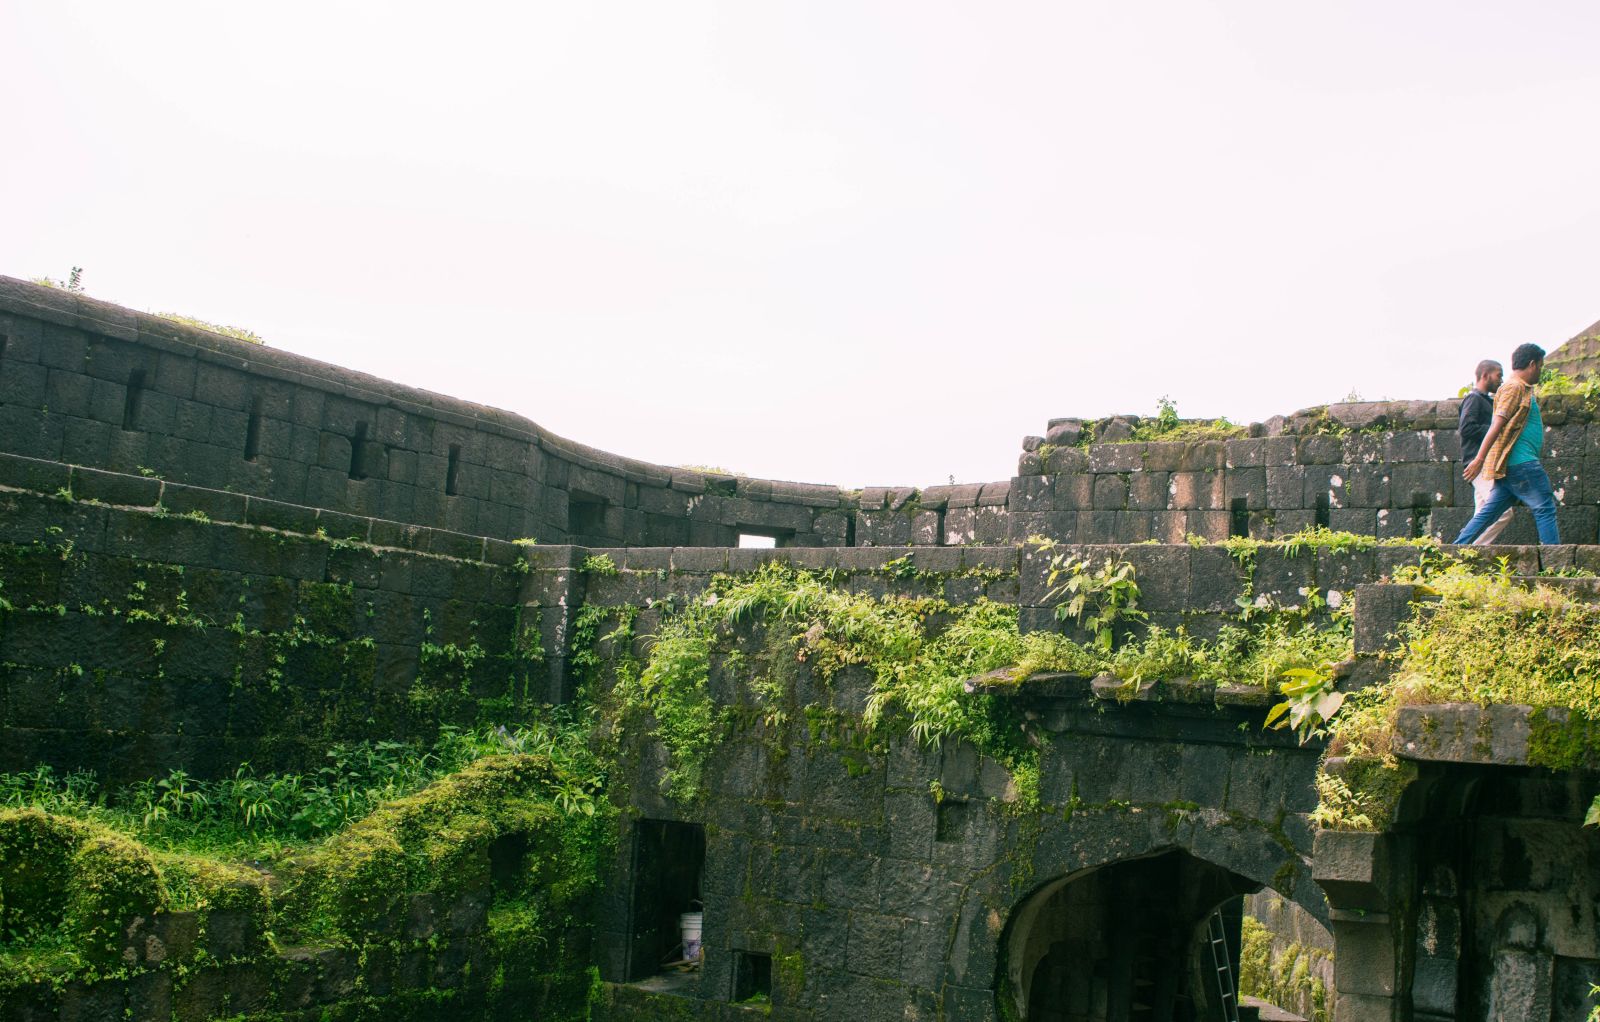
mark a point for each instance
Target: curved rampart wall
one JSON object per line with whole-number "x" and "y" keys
{"x": 89, "y": 383}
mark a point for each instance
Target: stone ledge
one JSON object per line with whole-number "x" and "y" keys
{"x": 1466, "y": 733}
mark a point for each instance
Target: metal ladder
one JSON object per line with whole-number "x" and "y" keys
{"x": 1228, "y": 994}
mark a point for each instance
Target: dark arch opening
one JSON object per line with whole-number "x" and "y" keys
{"x": 1129, "y": 941}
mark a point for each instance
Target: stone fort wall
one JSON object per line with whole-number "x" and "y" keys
{"x": 92, "y": 384}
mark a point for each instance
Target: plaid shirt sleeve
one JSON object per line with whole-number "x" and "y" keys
{"x": 1513, "y": 401}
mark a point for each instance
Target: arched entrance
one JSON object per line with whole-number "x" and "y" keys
{"x": 1128, "y": 941}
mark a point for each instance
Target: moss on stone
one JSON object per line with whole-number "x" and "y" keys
{"x": 80, "y": 878}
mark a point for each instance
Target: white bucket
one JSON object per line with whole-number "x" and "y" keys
{"x": 689, "y": 925}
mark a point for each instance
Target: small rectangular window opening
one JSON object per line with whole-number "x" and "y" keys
{"x": 586, "y": 514}
{"x": 951, "y": 822}
{"x": 1239, "y": 518}
{"x": 1324, "y": 510}
{"x": 130, "y": 403}
{"x": 252, "y": 431}
{"x": 2, "y": 346}
{"x": 752, "y": 976}
{"x": 751, "y": 541}
{"x": 850, "y": 530}
{"x": 358, "y": 452}
{"x": 452, "y": 469}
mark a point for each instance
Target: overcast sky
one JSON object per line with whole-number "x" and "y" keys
{"x": 837, "y": 242}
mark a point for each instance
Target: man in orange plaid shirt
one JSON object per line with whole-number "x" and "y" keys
{"x": 1510, "y": 453}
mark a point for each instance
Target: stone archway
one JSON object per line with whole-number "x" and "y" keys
{"x": 1120, "y": 942}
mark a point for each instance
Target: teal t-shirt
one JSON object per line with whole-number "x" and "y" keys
{"x": 1531, "y": 441}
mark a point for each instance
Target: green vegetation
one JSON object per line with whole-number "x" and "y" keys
{"x": 1284, "y": 979}
{"x": 1270, "y": 649}
{"x": 1486, "y": 638}
{"x": 1166, "y": 426}
{"x": 918, "y": 651}
{"x": 74, "y": 285}
{"x": 236, "y": 332}
{"x": 77, "y": 862}
{"x": 266, "y": 817}
{"x": 1098, "y": 599}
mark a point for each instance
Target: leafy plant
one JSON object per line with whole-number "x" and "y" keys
{"x": 1310, "y": 704}
{"x": 73, "y": 283}
{"x": 1096, "y": 598}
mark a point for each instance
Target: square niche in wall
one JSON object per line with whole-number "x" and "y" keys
{"x": 752, "y": 976}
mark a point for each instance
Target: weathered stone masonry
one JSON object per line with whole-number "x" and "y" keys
{"x": 183, "y": 477}
{"x": 88, "y": 383}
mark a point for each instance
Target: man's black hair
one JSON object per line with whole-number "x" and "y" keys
{"x": 1486, "y": 367}
{"x": 1526, "y": 355}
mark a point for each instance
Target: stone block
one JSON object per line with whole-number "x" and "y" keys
{"x": 1379, "y": 612}
{"x": 1200, "y": 491}
{"x": 1521, "y": 986}
{"x": 1074, "y": 491}
{"x": 98, "y": 1001}
{"x": 1363, "y": 521}
{"x": 1353, "y": 868}
{"x": 1064, "y": 433}
{"x": 1163, "y": 574}
{"x": 1065, "y": 460}
{"x": 1286, "y": 487}
{"x": 1364, "y": 1008}
{"x": 1032, "y": 493}
{"x": 115, "y": 488}
{"x": 1248, "y": 485}
{"x": 1116, "y": 458}
{"x": 1213, "y": 580}
{"x": 1368, "y": 486}
{"x": 873, "y": 945}
{"x": 232, "y": 933}
{"x": 1465, "y": 733}
{"x": 1206, "y": 455}
{"x": 150, "y": 997}
{"x": 1165, "y": 456}
{"x": 1320, "y": 450}
{"x": 23, "y": 384}
{"x": 1110, "y": 492}
{"x": 222, "y": 387}
{"x": 34, "y": 474}
{"x": 994, "y": 494}
{"x": 1244, "y": 453}
{"x": 1423, "y": 485}
{"x": 1279, "y": 451}
{"x": 1148, "y": 491}
{"x": 108, "y": 404}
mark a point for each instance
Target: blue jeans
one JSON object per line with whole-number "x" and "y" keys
{"x": 1528, "y": 484}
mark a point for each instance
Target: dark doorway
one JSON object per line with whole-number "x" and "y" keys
{"x": 668, "y": 861}
{"x": 1134, "y": 941}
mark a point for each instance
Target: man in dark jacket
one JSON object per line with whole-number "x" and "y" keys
{"x": 1477, "y": 412}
